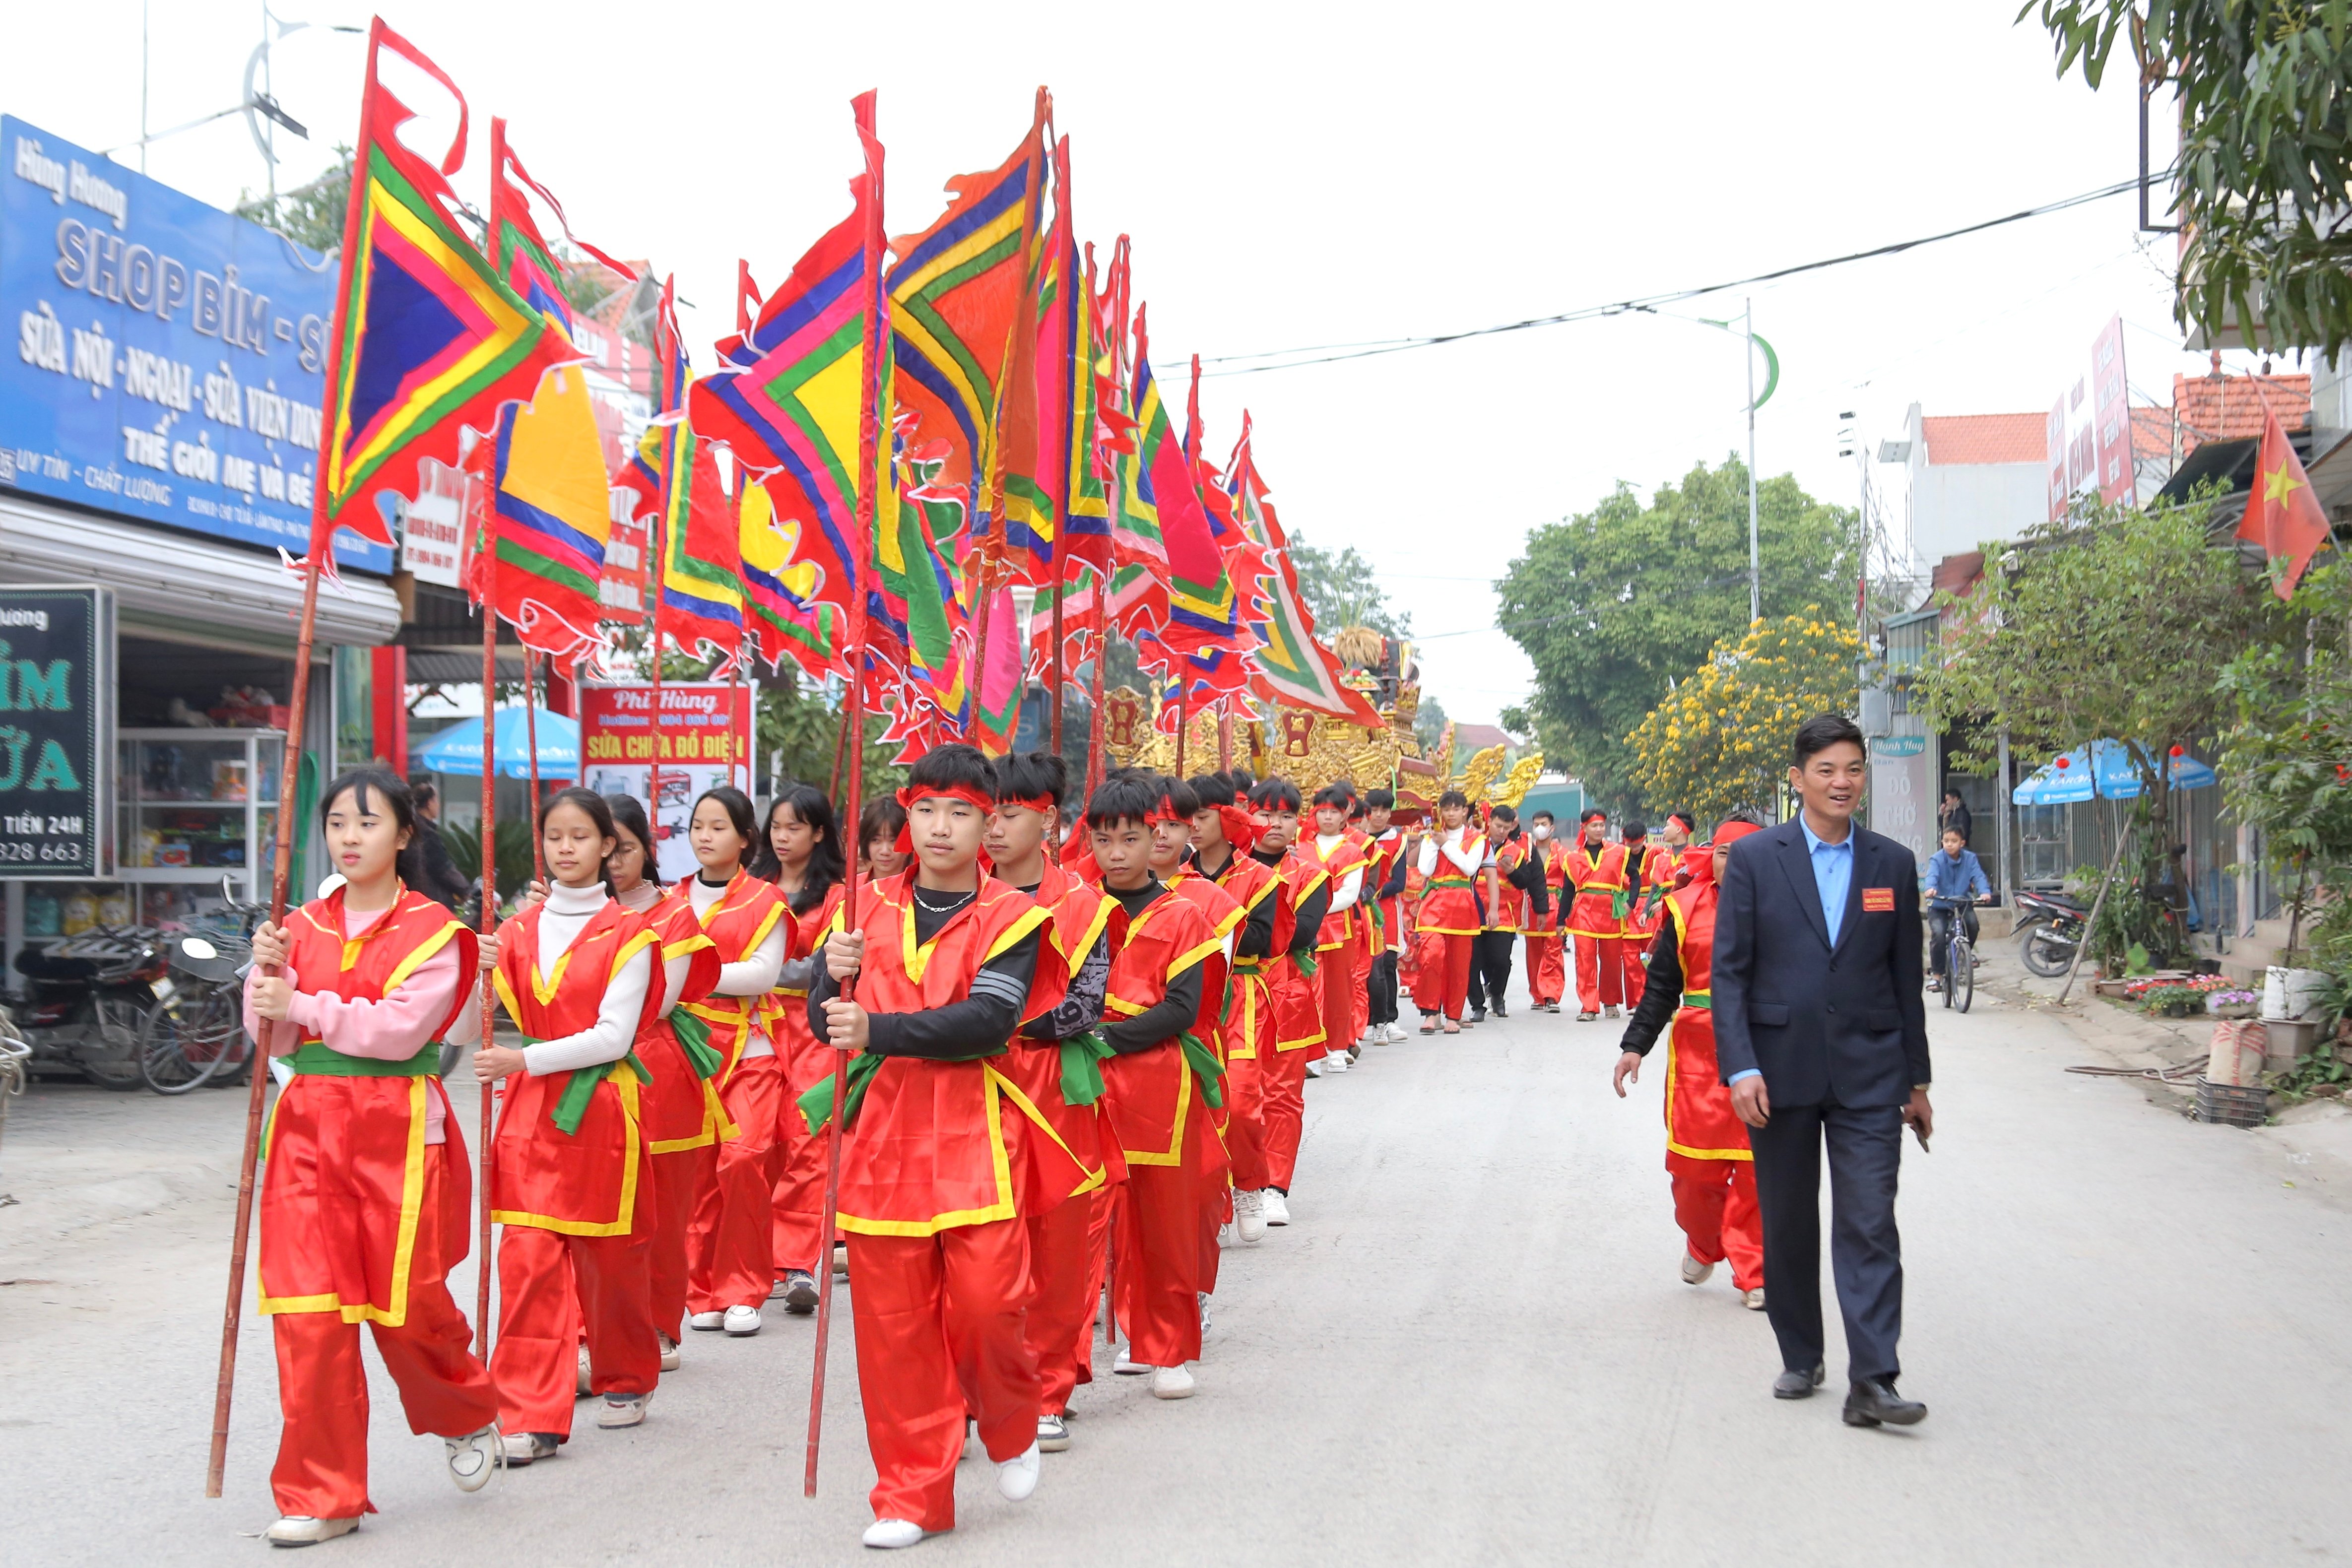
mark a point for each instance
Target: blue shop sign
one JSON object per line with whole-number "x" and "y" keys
{"x": 170, "y": 356}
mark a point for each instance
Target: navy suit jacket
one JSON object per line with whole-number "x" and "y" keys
{"x": 1839, "y": 1024}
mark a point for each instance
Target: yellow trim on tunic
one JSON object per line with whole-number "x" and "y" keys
{"x": 625, "y": 1083}
{"x": 1002, "y": 1208}
{"x": 412, "y": 1207}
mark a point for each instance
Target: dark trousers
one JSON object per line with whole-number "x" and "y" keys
{"x": 1490, "y": 968}
{"x": 1865, "y": 1150}
{"x": 1381, "y": 987}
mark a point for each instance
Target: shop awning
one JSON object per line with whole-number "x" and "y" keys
{"x": 458, "y": 748}
{"x": 2104, "y": 769}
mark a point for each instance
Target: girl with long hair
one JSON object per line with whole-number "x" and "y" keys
{"x": 805, "y": 857}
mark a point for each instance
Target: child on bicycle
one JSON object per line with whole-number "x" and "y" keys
{"x": 1955, "y": 883}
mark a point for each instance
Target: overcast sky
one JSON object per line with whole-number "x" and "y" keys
{"x": 1296, "y": 174}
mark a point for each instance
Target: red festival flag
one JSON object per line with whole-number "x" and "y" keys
{"x": 2281, "y": 514}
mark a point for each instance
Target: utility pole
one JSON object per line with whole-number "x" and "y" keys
{"x": 1755, "y": 560}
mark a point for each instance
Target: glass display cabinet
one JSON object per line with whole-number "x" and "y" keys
{"x": 193, "y": 806}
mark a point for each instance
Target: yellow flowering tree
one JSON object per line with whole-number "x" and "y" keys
{"x": 1719, "y": 742}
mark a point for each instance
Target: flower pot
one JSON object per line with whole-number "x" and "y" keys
{"x": 2232, "y": 1010}
{"x": 2290, "y": 993}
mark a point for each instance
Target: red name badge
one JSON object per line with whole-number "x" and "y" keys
{"x": 1878, "y": 901}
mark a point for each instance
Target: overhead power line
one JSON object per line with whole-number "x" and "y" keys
{"x": 1330, "y": 354}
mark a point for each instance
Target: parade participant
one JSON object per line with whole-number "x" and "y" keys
{"x": 1680, "y": 825}
{"x": 1596, "y": 918}
{"x": 1367, "y": 918}
{"x": 1223, "y": 835}
{"x": 731, "y": 1248}
{"x": 1513, "y": 883}
{"x": 879, "y": 825}
{"x": 684, "y": 1121}
{"x": 1708, "y": 1163}
{"x": 1339, "y": 853}
{"x": 1547, "y": 970}
{"x": 569, "y": 1176}
{"x": 366, "y": 1195}
{"x": 1649, "y": 873}
{"x": 1291, "y": 986}
{"x": 1386, "y": 879}
{"x": 1158, "y": 1087}
{"x": 1449, "y": 860}
{"x": 939, "y": 1146}
{"x": 1056, "y": 1061}
{"x": 803, "y": 857}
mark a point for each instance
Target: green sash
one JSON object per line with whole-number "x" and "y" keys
{"x": 1205, "y": 1066}
{"x": 315, "y": 1059}
{"x": 1704, "y": 999}
{"x": 580, "y": 1083}
{"x": 1306, "y": 961}
{"x": 1083, "y": 1055}
{"x": 816, "y": 1105}
{"x": 693, "y": 1032}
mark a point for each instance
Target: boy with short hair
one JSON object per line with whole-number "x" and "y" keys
{"x": 1339, "y": 853}
{"x": 1223, "y": 837}
{"x": 1547, "y": 969}
{"x": 1384, "y": 882}
{"x": 1290, "y": 980}
{"x": 1956, "y": 884}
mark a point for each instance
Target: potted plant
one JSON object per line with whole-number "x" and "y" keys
{"x": 2172, "y": 999}
{"x": 2233, "y": 1004}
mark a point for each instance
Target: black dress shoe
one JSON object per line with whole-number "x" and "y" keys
{"x": 1873, "y": 1401}
{"x": 1475, "y": 1017}
{"x": 1500, "y": 1011}
{"x": 1797, "y": 1384}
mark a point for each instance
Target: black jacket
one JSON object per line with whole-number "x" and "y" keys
{"x": 1843, "y": 1024}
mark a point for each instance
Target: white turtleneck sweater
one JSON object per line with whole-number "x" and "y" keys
{"x": 564, "y": 915}
{"x": 753, "y": 976}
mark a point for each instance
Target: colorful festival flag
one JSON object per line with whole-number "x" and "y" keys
{"x": 698, "y": 592}
{"x": 1299, "y": 671}
{"x": 1160, "y": 503}
{"x": 551, "y": 519}
{"x": 428, "y": 340}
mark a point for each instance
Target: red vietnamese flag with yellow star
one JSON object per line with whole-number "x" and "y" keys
{"x": 2282, "y": 515}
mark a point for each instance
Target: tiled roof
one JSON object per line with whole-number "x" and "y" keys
{"x": 2231, "y": 407}
{"x": 1958, "y": 573}
{"x": 1477, "y": 737}
{"x": 1986, "y": 438}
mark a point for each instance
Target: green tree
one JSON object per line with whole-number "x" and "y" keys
{"x": 1614, "y": 604}
{"x": 310, "y": 215}
{"x": 1341, "y": 592}
{"x": 1719, "y": 743}
{"x": 2264, "y": 173}
{"x": 2111, "y": 624}
{"x": 1429, "y": 723}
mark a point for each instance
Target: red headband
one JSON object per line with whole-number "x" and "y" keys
{"x": 911, "y": 794}
{"x": 1733, "y": 832}
{"x": 1039, "y": 804}
{"x": 1164, "y": 812}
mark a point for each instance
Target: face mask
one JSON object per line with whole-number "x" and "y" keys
{"x": 1542, "y": 830}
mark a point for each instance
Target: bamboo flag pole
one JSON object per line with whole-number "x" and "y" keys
{"x": 288, "y": 794}
{"x": 531, "y": 740}
{"x": 1075, "y": 365}
{"x": 869, "y": 452}
{"x": 487, "y": 918}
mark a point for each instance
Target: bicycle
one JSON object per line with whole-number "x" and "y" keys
{"x": 1960, "y": 976}
{"x": 195, "y": 1034}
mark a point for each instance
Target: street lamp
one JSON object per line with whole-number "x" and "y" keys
{"x": 1771, "y": 382}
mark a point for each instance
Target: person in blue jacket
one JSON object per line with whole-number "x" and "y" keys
{"x": 1955, "y": 885}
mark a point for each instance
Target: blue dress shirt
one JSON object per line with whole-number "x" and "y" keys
{"x": 1832, "y": 874}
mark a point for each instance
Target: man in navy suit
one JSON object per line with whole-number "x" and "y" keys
{"x": 1823, "y": 1038}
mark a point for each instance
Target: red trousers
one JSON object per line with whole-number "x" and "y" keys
{"x": 1600, "y": 974}
{"x": 1245, "y": 1121}
{"x": 1547, "y": 968}
{"x": 1360, "y": 995}
{"x": 1444, "y": 987}
{"x": 322, "y": 1467}
{"x": 1334, "y": 979}
{"x": 680, "y": 1179}
{"x": 1063, "y": 1281}
{"x": 799, "y": 1194}
{"x": 1282, "y": 1079}
{"x": 1634, "y": 951}
{"x": 535, "y": 1361}
{"x": 1715, "y": 1203}
{"x": 1158, "y": 1242}
{"x": 730, "y": 1247}
{"x": 1101, "y": 1267}
{"x": 940, "y": 1322}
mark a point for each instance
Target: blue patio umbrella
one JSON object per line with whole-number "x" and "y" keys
{"x": 458, "y": 748}
{"x": 2051, "y": 784}
{"x": 2103, "y": 768}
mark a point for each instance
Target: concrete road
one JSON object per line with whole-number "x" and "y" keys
{"x": 1470, "y": 1347}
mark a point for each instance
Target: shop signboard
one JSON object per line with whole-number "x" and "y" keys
{"x": 697, "y": 742}
{"x": 57, "y": 692}
{"x": 170, "y": 357}
{"x": 1902, "y": 787}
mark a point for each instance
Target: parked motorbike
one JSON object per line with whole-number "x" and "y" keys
{"x": 2049, "y": 930}
{"x": 86, "y": 997}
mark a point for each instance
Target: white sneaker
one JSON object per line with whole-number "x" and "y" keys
{"x": 583, "y": 1385}
{"x": 1314, "y": 1067}
{"x": 1053, "y": 1435}
{"x": 1172, "y": 1383}
{"x": 1016, "y": 1478}
{"x": 1337, "y": 1062}
{"x": 1694, "y": 1271}
{"x": 668, "y": 1352}
{"x": 1277, "y": 1206}
{"x": 742, "y": 1321}
{"x": 1226, "y": 1236}
{"x": 472, "y": 1458}
{"x": 1249, "y": 1216}
{"x": 707, "y": 1323}
{"x": 521, "y": 1449}
{"x": 302, "y": 1530}
{"x": 1753, "y": 1299}
{"x": 889, "y": 1534}
{"x": 623, "y": 1410}
{"x": 1126, "y": 1365}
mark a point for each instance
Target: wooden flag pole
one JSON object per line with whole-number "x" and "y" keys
{"x": 487, "y": 919}
{"x": 1225, "y": 736}
{"x": 288, "y": 792}
{"x": 869, "y": 448}
{"x": 531, "y": 740}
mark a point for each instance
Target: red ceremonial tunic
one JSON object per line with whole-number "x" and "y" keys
{"x": 737, "y": 924}
{"x": 1347, "y": 855}
{"x": 805, "y": 1058}
{"x": 342, "y": 1184}
{"x": 1448, "y": 905}
{"x": 680, "y": 1109}
{"x": 1224, "y": 916}
{"x": 1298, "y": 997}
{"x": 582, "y": 1182}
{"x": 1652, "y": 873}
{"x": 1700, "y": 1122}
{"x": 1555, "y": 868}
{"x": 1249, "y": 1013}
{"x": 1512, "y": 906}
{"x": 1384, "y": 852}
{"x": 1597, "y": 883}
{"x": 1151, "y": 1093}
{"x": 939, "y": 1144}
{"x": 1084, "y": 917}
